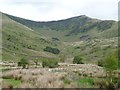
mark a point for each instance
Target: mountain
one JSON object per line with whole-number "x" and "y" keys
{"x": 73, "y": 26}
{"x": 91, "y": 38}
{"x": 21, "y": 41}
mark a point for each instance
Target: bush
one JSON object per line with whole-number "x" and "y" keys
{"x": 100, "y": 63}
{"x": 103, "y": 83}
{"x": 78, "y": 60}
{"x": 36, "y": 62}
{"x": 55, "y": 39}
{"x": 7, "y": 77}
{"x": 52, "y": 50}
{"x": 111, "y": 63}
{"x": 23, "y": 62}
{"x": 50, "y": 63}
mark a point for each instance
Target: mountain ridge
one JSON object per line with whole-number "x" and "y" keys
{"x": 74, "y": 25}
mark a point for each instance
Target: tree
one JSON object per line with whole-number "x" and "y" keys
{"x": 50, "y": 63}
{"x": 110, "y": 64}
{"x": 23, "y": 62}
{"x": 78, "y": 60}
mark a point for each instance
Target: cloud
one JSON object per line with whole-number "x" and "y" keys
{"x": 47, "y": 10}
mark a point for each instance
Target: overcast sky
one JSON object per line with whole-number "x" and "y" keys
{"x": 47, "y": 10}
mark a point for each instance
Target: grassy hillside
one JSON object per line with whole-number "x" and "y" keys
{"x": 91, "y": 38}
{"x": 21, "y": 41}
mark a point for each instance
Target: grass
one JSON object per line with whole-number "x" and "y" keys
{"x": 85, "y": 82}
{"x": 66, "y": 81}
{"x": 13, "y": 82}
{"x": 18, "y": 39}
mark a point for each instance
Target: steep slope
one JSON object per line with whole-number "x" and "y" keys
{"x": 72, "y": 28}
{"x": 20, "y": 41}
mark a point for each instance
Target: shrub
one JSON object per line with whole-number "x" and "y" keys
{"x": 7, "y": 76}
{"x": 78, "y": 60}
{"x": 105, "y": 84}
{"x": 52, "y": 50}
{"x": 23, "y": 62}
{"x": 111, "y": 64}
{"x": 50, "y": 63}
{"x": 55, "y": 39}
{"x": 100, "y": 63}
{"x": 36, "y": 62}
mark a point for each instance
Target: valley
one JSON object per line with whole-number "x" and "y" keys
{"x": 70, "y": 53}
